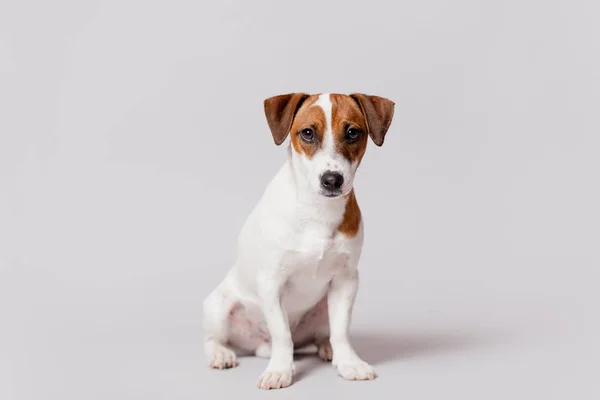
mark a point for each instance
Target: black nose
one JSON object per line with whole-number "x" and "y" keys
{"x": 332, "y": 180}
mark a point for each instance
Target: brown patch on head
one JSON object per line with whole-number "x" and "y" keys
{"x": 293, "y": 113}
{"x": 351, "y": 222}
{"x": 308, "y": 117}
{"x": 346, "y": 114}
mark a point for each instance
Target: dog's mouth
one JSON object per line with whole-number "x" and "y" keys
{"x": 331, "y": 193}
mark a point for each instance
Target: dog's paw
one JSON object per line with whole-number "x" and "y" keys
{"x": 275, "y": 378}
{"x": 325, "y": 351}
{"x": 356, "y": 371}
{"x": 223, "y": 358}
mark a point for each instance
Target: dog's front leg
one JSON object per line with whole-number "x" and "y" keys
{"x": 341, "y": 295}
{"x": 280, "y": 368}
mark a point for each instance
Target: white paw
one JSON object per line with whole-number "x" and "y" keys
{"x": 223, "y": 358}
{"x": 275, "y": 378}
{"x": 356, "y": 371}
{"x": 325, "y": 351}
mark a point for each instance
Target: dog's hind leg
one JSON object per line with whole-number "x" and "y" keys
{"x": 217, "y": 308}
{"x": 321, "y": 329}
{"x": 314, "y": 329}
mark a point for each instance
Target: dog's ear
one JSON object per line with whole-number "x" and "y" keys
{"x": 280, "y": 111}
{"x": 378, "y": 112}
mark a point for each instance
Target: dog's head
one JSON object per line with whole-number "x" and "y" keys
{"x": 328, "y": 134}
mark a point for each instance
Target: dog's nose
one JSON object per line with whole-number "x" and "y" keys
{"x": 332, "y": 180}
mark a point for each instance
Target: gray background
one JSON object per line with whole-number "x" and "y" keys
{"x": 133, "y": 144}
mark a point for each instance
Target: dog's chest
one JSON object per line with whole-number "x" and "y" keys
{"x": 314, "y": 256}
{"x": 315, "y": 248}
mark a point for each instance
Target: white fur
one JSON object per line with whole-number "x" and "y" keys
{"x": 290, "y": 256}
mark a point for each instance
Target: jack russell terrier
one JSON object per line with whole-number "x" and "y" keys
{"x": 295, "y": 277}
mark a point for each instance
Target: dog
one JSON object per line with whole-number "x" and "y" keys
{"x": 295, "y": 277}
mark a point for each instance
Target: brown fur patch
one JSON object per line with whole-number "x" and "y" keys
{"x": 378, "y": 112}
{"x": 308, "y": 117}
{"x": 346, "y": 113}
{"x": 351, "y": 222}
{"x": 280, "y": 111}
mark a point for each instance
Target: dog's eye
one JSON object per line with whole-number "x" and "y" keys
{"x": 308, "y": 135}
{"x": 352, "y": 135}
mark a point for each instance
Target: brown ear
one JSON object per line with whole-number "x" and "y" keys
{"x": 280, "y": 111}
{"x": 378, "y": 113}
